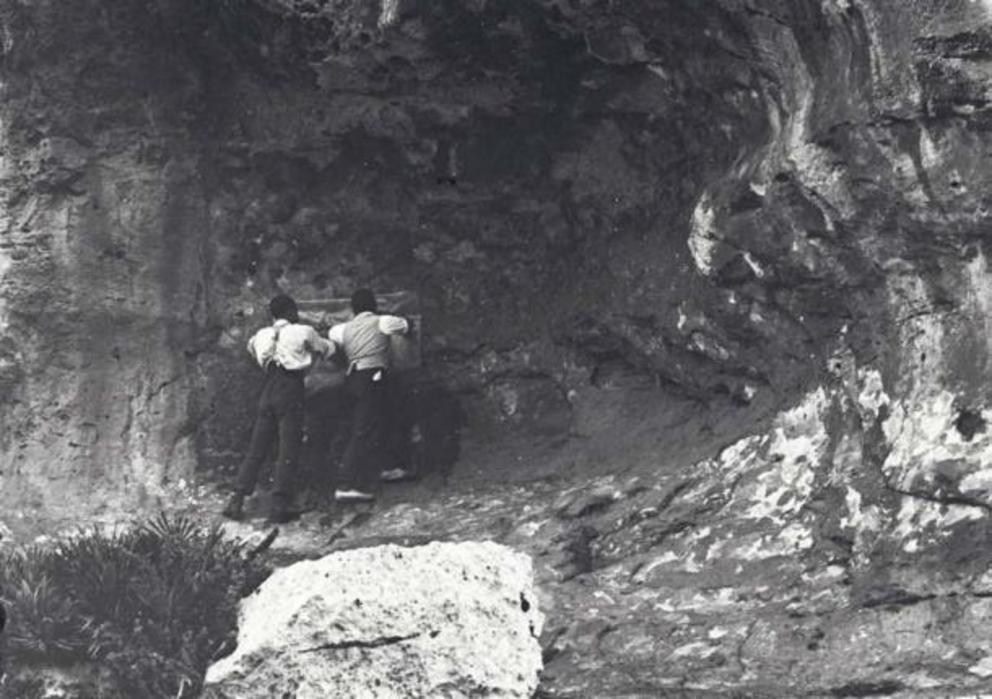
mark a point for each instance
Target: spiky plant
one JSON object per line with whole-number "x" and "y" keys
{"x": 152, "y": 604}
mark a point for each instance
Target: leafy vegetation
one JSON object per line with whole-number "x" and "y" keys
{"x": 152, "y": 605}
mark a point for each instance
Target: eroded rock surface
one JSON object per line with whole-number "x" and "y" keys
{"x": 784, "y": 566}
{"x": 445, "y": 619}
{"x": 717, "y": 198}
{"x": 721, "y": 199}
{"x": 720, "y": 268}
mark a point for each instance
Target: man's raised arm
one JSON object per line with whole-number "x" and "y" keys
{"x": 393, "y": 325}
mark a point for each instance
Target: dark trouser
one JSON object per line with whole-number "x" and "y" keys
{"x": 396, "y": 430}
{"x": 362, "y": 458}
{"x": 280, "y": 415}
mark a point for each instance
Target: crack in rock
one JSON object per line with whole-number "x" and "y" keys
{"x": 376, "y": 643}
{"x": 894, "y": 598}
{"x": 939, "y": 499}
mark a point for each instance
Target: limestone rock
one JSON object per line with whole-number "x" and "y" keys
{"x": 778, "y": 208}
{"x": 704, "y": 195}
{"x": 447, "y": 620}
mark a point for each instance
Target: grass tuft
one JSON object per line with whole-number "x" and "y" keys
{"x": 152, "y": 605}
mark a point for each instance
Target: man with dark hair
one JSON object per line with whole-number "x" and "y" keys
{"x": 284, "y": 350}
{"x": 365, "y": 341}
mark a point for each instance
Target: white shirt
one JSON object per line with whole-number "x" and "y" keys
{"x": 365, "y": 340}
{"x": 388, "y": 325}
{"x": 295, "y": 349}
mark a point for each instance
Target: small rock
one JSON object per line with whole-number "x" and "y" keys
{"x": 983, "y": 668}
{"x": 587, "y": 501}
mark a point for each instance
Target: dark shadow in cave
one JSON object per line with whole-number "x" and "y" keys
{"x": 426, "y": 428}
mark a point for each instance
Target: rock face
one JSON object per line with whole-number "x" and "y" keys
{"x": 737, "y": 247}
{"x": 451, "y": 620}
{"x": 724, "y": 199}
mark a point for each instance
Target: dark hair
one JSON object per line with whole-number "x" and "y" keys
{"x": 363, "y": 300}
{"x": 284, "y": 307}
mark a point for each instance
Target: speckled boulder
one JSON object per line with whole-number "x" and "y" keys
{"x": 442, "y": 620}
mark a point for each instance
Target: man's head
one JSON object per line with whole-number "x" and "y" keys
{"x": 284, "y": 307}
{"x": 363, "y": 300}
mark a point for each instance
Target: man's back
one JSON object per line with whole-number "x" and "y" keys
{"x": 288, "y": 345}
{"x": 365, "y": 339}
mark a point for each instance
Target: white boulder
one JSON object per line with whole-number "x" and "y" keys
{"x": 441, "y": 620}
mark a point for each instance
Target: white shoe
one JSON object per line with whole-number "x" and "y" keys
{"x": 353, "y": 496}
{"x": 395, "y": 474}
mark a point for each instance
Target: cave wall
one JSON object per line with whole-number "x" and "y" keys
{"x": 870, "y": 207}
{"x": 732, "y": 200}
{"x": 103, "y": 255}
{"x": 535, "y": 192}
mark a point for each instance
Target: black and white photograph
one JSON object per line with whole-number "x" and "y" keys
{"x": 495, "y": 349}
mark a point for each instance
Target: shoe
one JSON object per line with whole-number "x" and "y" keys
{"x": 235, "y": 508}
{"x": 353, "y": 496}
{"x": 279, "y": 515}
{"x": 281, "y": 509}
{"x": 395, "y": 474}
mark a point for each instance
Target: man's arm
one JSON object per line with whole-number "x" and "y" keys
{"x": 319, "y": 345}
{"x": 393, "y": 325}
{"x": 252, "y": 341}
{"x": 336, "y": 337}
{"x": 336, "y": 334}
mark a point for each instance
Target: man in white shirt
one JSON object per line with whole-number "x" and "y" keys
{"x": 284, "y": 350}
{"x": 365, "y": 341}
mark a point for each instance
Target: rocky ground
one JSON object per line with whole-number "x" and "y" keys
{"x": 795, "y": 561}
{"x": 668, "y": 621}
{"x": 739, "y": 576}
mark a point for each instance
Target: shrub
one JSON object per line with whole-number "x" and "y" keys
{"x": 153, "y": 605}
